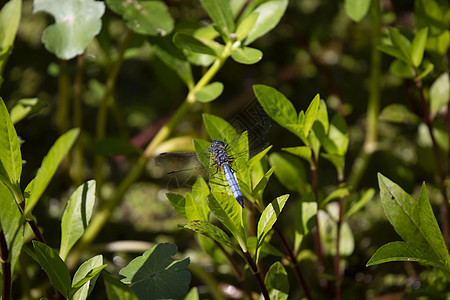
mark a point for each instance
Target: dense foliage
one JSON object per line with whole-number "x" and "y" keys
{"x": 349, "y": 201}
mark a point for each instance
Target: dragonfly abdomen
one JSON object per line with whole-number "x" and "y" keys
{"x": 229, "y": 176}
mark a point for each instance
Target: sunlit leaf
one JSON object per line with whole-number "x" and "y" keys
{"x": 290, "y": 172}
{"x": 269, "y": 216}
{"x": 48, "y": 167}
{"x": 398, "y": 113}
{"x": 246, "y": 25}
{"x": 418, "y": 46}
{"x": 86, "y": 276}
{"x": 54, "y": 266}
{"x": 439, "y": 93}
{"x": 356, "y": 9}
{"x": 210, "y": 92}
{"x": 150, "y": 274}
{"x": 246, "y": 55}
{"x": 277, "y": 282}
{"x": 76, "y": 216}
{"x": 220, "y": 13}
{"x": 401, "y": 43}
{"x": 25, "y": 108}
{"x": 76, "y": 24}
{"x": 188, "y": 42}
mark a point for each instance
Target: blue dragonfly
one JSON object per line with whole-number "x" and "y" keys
{"x": 222, "y": 162}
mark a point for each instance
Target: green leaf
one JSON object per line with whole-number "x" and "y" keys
{"x": 48, "y": 167}
{"x": 191, "y": 43}
{"x": 392, "y": 51}
{"x": 213, "y": 232}
{"x": 246, "y": 25}
{"x": 269, "y": 216}
{"x": 356, "y": 9}
{"x": 260, "y": 187}
{"x": 54, "y": 266}
{"x": 115, "y": 146}
{"x": 144, "y": 17}
{"x": 193, "y": 294}
{"x": 9, "y": 22}
{"x": 220, "y": 13}
{"x": 341, "y": 192}
{"x": 270, "y": 14}
{"x": 277, "y": 282}
{"x": 276, "y": 105}
{"x": 218, "y": 128}
{"x": 173, "y": 57}
{"x": 305, "y": 218}
{"x": 418, "y": 46}
{"x": 365, "y": 197}
{"x": 116, "y": 290}
{"x": 150, "y": 274}
{"x": 401, "y": 69}
{"x": 428, "y": 67}
{"x": 10, "y": 155}
{"x": 398, "y": 113}
{"x": 290, "y": 172}
{"x": 10, "y": 222}
{"x": 85, "y": 277}
{"x": 414, "y": 221}
{"x": 210, "y": 92}
{"x": 402, "y": 251}
{"x": 337, "y": 140}
{"x": 300, "y": 151}
{"x": 401, "y": 43}
{"x": 310, "y": 115}
{"x": 26, "y": 107}
{"x": 228, "y": 212}
{"x": 76, "y": 24}
{"x": 246, "y": 55}
{"x": 439, "y": 93}
{"x": 76, "y": 216}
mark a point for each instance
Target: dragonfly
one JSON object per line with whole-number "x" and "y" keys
{"x": 220, "y": 157}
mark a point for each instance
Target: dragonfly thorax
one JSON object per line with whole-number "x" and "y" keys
{"x": 218, "y": 150}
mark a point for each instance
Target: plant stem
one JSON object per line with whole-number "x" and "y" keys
{"x": 6, "y": 267}
{"x": 337, "y": 257}
{"x": 63, "y": 98}
{"x": 102, "y": 111}
{"x": 294, "y": 262}
{"x": 373, "y": 106}
{"x": 258, "y": 276}
{"x": 77, "y": 166}
{"x": 104, "y": 212}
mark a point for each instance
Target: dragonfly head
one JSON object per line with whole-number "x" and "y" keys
{"x": 216, "y": 144}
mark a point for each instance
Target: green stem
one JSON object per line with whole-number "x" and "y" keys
{"x": 77, "y": 165}
{"x": 105, "y": 211}
{"x": 103, "y": 108}
{"x": 63, "y": 99}
{"x": 373, "y": 106}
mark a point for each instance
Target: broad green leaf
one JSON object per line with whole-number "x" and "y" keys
{"x": 220, "y": 13}
{"x": 10, "y": 221}
{"x": 290, "y": 172}
{"x": 9, "y": 22}
{"x": 276, "y": 105}
{"x": 270, "y": 14}
{"x": 401, "y": 69}
{"x": 269, "y": 216}
{"x": 218, "y": 128}
{"x": 188, "y": 42}
{"x": 115, "y": 146}
{"x": 246, "y": 25}
{"x": 25, "y": 107}
{"x": 210, "y": 92}
{"x": 404, "y": 251}
{"x": 260, "y": 187}
{"x": 398, "y": 113}
{"x": 151, "y": 274}
{"x": 54, "y": 266}
{"x": 310, "y": 115}
{"x": 144, "y": 17}
{"x": 392, "y": 51}
{"x": 48, "y": 167}
{"x": 116, "y": 290}
{"x": 173, "y": 57}
{"x": 418, "y": 46}
{"x": 213, "y": 232}
{"x": 439, "y": 93}
{"x": 414, "y": 221}
{"x": 246, "y": 55}
{"x": 76, "y": 216}
{"x": 76, "y": 24}
{"x": 85, "y": 277}
{"x": 356, "y": 9}
{"x": 300, "y": 151}
{"x": 277, "y": 282}
{"x": 401, "y": 43}
{"x": 305, "y": 218}
{"x": 228, "y": 212}
{"x": 10, "y": 154}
